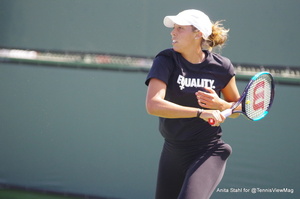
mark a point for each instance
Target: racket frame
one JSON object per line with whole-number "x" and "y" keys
{"x": 242, "y": 99}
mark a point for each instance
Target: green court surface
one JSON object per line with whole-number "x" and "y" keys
{"x": 19, "y": 194}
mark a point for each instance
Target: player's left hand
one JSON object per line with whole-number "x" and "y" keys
{"x": 209, "y": 99}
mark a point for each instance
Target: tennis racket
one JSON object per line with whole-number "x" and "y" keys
{"x": 256, "y": 99}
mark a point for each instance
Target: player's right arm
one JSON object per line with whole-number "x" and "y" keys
{"x": 158, "y": 106}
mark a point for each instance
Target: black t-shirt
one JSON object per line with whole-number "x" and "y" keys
{"x": 183, "y": 79}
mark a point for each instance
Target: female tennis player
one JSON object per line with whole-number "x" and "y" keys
{"x": 184, "y": 88}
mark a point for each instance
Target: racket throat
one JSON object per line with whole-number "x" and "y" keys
{"x": 227, "y": 112}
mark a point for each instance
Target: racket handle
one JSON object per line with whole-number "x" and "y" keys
{"x": 225, "y": 113}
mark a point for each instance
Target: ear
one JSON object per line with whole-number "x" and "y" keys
{"x": 198, "y": 35}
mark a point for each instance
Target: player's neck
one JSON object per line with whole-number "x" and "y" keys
{"x": 194, "y": 57}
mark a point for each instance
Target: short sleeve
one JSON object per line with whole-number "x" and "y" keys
{"x": 161, "y": 69}
{"x": 230, "y": 72}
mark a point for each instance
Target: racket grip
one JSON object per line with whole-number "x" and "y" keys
{"x": 225, "y": 113}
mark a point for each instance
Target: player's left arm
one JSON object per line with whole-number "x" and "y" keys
{"x": 231, "y": 94}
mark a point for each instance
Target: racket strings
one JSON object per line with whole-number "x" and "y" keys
{"x": 259, "y": 96}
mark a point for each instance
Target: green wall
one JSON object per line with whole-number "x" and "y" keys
{"x": 262, "y": 31}
{"x": 87, "y": 131}
{"x": 77, "y": 131}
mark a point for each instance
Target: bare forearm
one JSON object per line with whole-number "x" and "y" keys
{"x": 168, "y": 109}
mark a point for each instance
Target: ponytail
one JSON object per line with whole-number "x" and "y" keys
{"x": 218, "y": 37}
